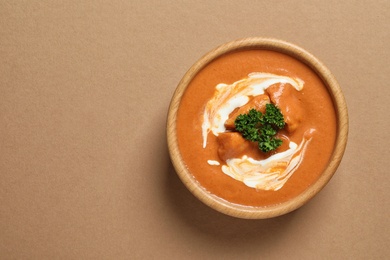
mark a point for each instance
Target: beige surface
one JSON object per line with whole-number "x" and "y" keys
{"x": 84, "y": 167}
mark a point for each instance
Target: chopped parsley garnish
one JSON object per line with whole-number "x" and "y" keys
{"x": 262, "y": 128}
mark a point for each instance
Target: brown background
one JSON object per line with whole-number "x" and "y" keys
{"x": 84, "y": 167}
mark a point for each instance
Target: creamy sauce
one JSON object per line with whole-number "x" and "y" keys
{"x": 229, "y": 97}
{"x": 306, "y": 155}
{"x": 268, "y": 174}
{"x": 271, "y": 173}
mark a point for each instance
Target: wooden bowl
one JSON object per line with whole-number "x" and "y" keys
{"x": 249, "y": 212}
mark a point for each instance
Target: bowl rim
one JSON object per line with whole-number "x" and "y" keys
{"x": 251, "y": 212}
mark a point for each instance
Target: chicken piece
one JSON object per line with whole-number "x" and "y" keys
{"x": 257, "y": 103}
{"x": 286, "y": 98}
{"x": 233, "y": 145}
{"x": 284, "y": 146}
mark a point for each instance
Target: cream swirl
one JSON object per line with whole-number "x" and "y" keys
{"x": 273, "y": 172}
{"x": 229, "y": 97}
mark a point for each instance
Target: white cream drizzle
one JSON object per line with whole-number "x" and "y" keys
{"x": 271, "y": 173}
{"x": 213, "y": 162}
{"x": 229, "y": 97}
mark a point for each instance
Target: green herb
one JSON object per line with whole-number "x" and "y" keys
{"x": 262, "y": 128}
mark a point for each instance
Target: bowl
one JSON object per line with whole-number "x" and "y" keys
{"x": 273, "y": 210}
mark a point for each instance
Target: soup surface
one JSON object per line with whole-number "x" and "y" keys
{"x": 309, "y": 134}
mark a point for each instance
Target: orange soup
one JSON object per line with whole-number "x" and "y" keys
{"x": 233, "y": 168}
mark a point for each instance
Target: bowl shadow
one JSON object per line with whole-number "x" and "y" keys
{"x": 216, "y": 225}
